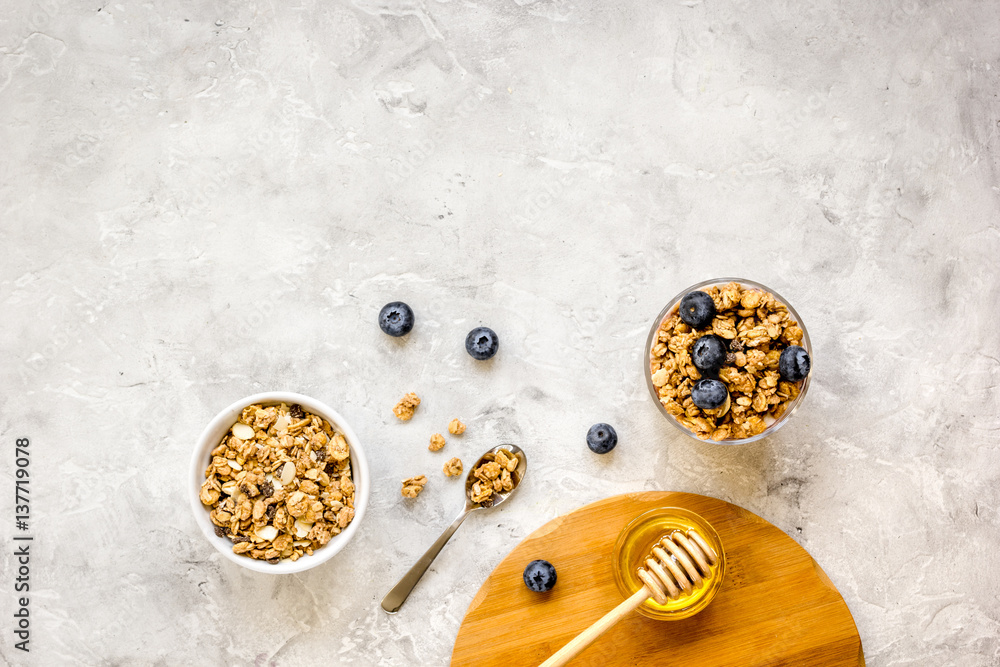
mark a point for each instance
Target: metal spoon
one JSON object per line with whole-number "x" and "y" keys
{"x": 395, "y": 598}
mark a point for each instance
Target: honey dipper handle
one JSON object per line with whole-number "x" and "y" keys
{"x": 590, "y": 635}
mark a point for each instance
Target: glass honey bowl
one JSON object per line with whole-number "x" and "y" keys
{"x": 637, "y": 540}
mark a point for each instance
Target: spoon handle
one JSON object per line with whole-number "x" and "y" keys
{"x": 395, "y": 598}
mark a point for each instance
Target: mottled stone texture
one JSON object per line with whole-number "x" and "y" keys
{"x": 206, "y": 199}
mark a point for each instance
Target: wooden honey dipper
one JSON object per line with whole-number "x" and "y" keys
{"x": 677, "y": 564}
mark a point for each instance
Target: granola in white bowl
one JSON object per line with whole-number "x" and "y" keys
{"x": 283, "y": 482}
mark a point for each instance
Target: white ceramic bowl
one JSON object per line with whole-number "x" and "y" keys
{"x": 210, "y": 439}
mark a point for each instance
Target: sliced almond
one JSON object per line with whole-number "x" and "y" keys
{"x": 301, "y": 543}
{"x": 287, "y": 473}
{"x": 234, "y": 465}
{"x": 302, "y": 528}
{"x": 281, "y": 423}
{"x": 230, "y": 488}
{"x": 267, "y": 533}
{"x": 274, "y": 482}
{"x": 242, "y": 431}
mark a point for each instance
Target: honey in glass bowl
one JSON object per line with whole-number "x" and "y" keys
{"x": 637, "y": 540}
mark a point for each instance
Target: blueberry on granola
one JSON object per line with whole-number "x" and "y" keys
{"x": 708, "y": 353}
{"x": 697, "y": 309}
{"x": 794, "y": 364}
{"x": 396, "y": 319}
{"x": 709, "y": 394}
{"x": 540, "y": 576}
{"x": 482, "y": 343}
{"x": 602, "y": 438}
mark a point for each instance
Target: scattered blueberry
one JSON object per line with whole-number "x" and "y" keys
{"x": 602, "y": 438}
{"x": 396, "y": 318}
{"x": 482, "y": 343}
{"x": 794, "y": 364}
{"x": 709, "y": 394}
{"x": 708, "y": 353}
{"x": 540, "y": 576}
{"x": 697, "y": 309}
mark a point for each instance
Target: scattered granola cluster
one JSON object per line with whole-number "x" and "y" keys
{"x": 279, "y": 484}
{"x": 453, "y": 468}
{"x": 404, "y": 409}
{"x": 413, "y": 486}
{"x": 493, "y": 476}
{"x": 757, "y": 327}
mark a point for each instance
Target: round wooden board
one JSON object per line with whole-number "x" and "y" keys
{"x": 776, "y": 606}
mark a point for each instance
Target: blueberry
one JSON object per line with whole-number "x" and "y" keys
{"x": 482, "y": 343}
{"x": 602, "y": 438}
{"x": 708, "y": 353}
{"x": 709, "y": 394}
{"x": 697, "y": 309}
{"x": 794, "y": 364}
{"x": 396, "y": 318}
{"x": 540, "y": 576}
